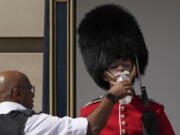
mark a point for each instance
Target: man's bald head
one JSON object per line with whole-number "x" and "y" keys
{"x": 11, "y": 83}
{"x": 11, "y": 79}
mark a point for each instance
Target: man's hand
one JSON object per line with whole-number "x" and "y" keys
{"x": 122, "y": 89}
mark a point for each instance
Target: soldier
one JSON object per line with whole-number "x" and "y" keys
{"x": 111, "y": 43}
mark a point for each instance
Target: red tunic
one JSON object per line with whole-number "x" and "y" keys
{"x": 126, "y": 119}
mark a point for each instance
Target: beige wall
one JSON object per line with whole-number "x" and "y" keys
{"x": 21, "y": 39}
{"x": 21, "y": 18}
{"x": 25, "y": 55}
{"x": 31, "y": 65}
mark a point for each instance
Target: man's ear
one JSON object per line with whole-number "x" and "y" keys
{"x": 16, "y": 93}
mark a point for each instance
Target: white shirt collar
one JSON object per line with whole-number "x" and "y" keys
{"x": 6, "y": 107}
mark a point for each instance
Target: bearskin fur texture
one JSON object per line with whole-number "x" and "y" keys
{"x": 106, "y": 33}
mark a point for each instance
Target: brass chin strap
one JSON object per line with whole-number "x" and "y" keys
{"x": 110, "y": 77}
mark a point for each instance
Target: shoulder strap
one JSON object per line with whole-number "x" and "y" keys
{"x": 27, "y": 112}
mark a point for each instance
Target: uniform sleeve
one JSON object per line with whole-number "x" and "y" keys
{"x": 44, "y": 124}
{"x": 165, "y": 127}
{"x": 83, "y": 112}
{"x": 86, "y": 110}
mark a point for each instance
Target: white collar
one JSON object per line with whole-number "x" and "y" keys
{"x": 6, "y": 107}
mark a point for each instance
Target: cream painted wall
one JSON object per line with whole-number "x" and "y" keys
{"x": 29, "y": 63}
{"x": 21, "y": 18}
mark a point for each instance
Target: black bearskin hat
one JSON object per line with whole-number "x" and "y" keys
{"x": 107, "y": 33}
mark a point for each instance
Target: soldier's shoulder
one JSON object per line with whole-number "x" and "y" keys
{"x": 150, "y": 100}
{"x": 96, "y": 100}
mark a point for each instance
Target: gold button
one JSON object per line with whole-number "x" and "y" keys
{"x": 122, "y": 108}
{"x": 123, "y": 123}
{"x": 123, "y": 131}
{"x": 123, "y": 116}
